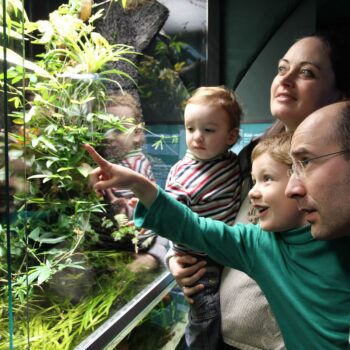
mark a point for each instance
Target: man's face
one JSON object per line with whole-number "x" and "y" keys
{"x": 322, "y": 188}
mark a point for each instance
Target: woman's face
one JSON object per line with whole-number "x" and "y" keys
{"x": 304, "y": 82}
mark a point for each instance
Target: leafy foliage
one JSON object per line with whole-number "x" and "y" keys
{"x": 61, "y": 287}
{"x": 161, "y": 88}
{"x": 59, "y": 104}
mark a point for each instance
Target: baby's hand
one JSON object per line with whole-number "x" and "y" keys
{"x": 133, "y": 202}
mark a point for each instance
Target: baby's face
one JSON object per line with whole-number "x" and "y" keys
{"x": 208, "y": 131}
{"x": 134, "y": 137}
{"x": 274, "y": 210}
{"x": 121, "y": 111}
{"x": 129, "y": 140}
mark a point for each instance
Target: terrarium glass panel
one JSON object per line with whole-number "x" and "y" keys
{"x": 70, "y": 258}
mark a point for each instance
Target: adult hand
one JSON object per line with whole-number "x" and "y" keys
{"x": 187, "y": 270}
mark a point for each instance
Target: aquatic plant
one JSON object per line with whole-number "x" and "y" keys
{"x": 55, "y": 322}
{"x": 58, "y": 104}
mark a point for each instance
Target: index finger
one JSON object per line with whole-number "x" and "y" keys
{"x": 95, "y": 156}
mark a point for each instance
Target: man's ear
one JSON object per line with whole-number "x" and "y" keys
{"x": 233, "y": 136}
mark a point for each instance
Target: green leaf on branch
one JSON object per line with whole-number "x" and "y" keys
{"x": 45, "y": 237}
{"x": 40, "y": 273}
{"x": 85, "y": 169}
{"x": 14, "y": 58}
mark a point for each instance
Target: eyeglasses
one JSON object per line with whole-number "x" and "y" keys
{"x": 298, "y": 167}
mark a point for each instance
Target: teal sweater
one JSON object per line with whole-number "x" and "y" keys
{"x": 306, "y": 282}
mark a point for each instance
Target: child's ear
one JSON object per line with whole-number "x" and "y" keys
{"x": 233, "y": 136}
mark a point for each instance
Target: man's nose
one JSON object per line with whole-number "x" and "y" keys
{"x": 295, "y": 187}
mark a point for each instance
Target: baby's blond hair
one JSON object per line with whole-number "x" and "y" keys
{"x": 219, "y": 96}
{"x": 126, "y": 100}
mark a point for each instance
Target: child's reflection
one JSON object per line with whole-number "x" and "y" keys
{"x": 125, "y": 148}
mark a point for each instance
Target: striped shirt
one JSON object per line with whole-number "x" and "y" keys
{"x": 137, "y": 161}
{"x": 210, "y": 188}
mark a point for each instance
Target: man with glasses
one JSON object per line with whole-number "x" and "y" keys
{"x": 319, "y": 177}
{"x": 321, "y": 171}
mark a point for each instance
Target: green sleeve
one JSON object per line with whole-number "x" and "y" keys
{"x": 233, "y": 246}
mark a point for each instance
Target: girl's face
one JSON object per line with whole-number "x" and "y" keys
{"x": 304, "y": 82}
{"x": 274, "y": 210}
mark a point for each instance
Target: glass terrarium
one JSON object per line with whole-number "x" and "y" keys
{"x": 75, "y": 273}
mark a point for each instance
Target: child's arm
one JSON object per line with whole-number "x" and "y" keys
{"x": 109, "y": 175}
{"x": 233, "y": 246}
{"x": 163, "y": 214}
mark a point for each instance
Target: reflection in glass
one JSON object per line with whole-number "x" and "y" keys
{"x": 61, "y": 280}
{"x": 123, "y": 146}
{"x": 74, "y": 261}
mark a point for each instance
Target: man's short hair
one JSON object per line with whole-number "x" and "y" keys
{"x": 342, "y": 128}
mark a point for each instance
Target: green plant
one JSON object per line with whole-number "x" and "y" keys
{"x": 61, "y": 324}
{"x": 65, "y": 110}
{"x": 161, "y": 88}
{"x": 59, "y": 104}
{"x": 13, "y": 18}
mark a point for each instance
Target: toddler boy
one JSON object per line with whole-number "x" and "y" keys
{"x": 207, "y": 181}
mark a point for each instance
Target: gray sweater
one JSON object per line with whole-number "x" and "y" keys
{"x": 246, "y": 319}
